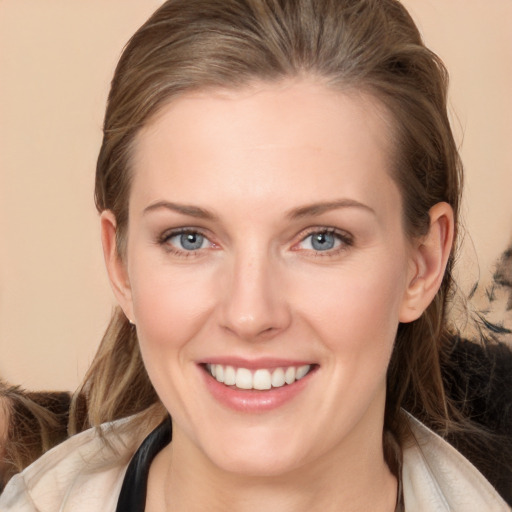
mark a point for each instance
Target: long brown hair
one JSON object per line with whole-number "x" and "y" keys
{"x": 370, "y": 46}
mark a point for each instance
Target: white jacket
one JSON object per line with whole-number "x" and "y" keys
{"x": 83, "y": 475}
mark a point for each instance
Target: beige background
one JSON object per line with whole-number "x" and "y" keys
{"x": 56, "y": 59}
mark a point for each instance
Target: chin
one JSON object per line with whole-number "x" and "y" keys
{"x": 264, "y": 457}
{"x": 260, "y": 466}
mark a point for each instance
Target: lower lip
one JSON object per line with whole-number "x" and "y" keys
{"x": 252, "y": 400}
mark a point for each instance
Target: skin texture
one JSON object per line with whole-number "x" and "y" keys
{"x": 257, "y": 288}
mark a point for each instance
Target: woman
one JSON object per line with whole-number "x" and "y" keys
{"x": 279, "y": 190}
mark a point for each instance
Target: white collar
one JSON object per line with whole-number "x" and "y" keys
{"x": 437, "y": 478}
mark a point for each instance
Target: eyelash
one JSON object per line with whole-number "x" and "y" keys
{"x": 346, "y": 241}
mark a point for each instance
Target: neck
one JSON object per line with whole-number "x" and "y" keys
{"x": 354, "y": 479}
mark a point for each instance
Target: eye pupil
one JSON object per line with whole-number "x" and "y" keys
{"x": 191, "y": 241}
{"x": 322, "y": 241}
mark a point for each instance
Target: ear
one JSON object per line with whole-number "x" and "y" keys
{"x": 428, "y": 263}
{"x": 116, "y": 267}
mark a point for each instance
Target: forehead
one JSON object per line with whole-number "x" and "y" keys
{"x": 300, "y": 136}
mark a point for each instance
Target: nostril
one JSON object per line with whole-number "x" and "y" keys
{"x": 252, "y": 332}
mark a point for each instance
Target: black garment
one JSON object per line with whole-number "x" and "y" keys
{"x": 133, "y": 492}
{"x": 478, "y": 379}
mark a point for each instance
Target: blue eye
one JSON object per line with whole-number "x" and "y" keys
{"x": 188, "y": 241}
{"x": 324, "y": 240}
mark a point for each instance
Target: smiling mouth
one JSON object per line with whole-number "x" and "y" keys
{"x": 261, "y": 379}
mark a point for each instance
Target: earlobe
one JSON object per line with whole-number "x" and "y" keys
{"x": 428, "y": 263}
{"x": 116, "y": 267}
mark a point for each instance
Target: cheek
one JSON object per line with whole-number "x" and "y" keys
{"x": 356, "y": 310}
{"x": 170, "y": 307}
{"x": 169, "y": 304}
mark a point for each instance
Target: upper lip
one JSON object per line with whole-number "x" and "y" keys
{"x": 260, "y": 362}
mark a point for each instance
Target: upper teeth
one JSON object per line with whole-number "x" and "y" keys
{"x": 258, "y": 379}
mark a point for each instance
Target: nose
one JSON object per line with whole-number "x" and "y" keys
{"x": 254, "y": 303}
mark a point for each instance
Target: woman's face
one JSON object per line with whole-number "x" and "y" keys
{"x": 266, "y": 246}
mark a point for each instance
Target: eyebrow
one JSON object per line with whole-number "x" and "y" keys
{"x": 184, "y": 209}
{"x": 315, "y": 209}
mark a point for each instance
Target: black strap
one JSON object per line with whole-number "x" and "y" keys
{"x": 135, "y": 483}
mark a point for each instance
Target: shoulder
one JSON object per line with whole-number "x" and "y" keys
{"x": 436, "y": 474}
{"x": 84, "y": 473}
